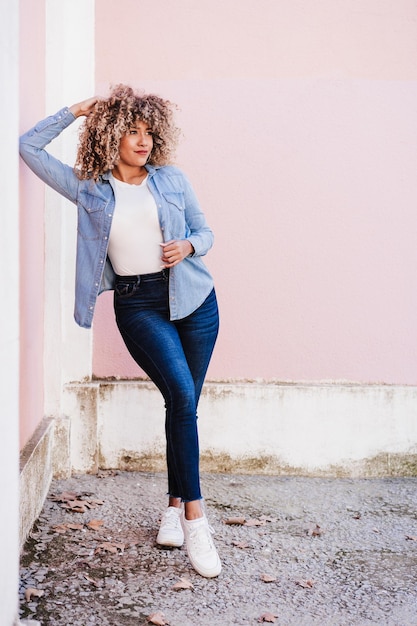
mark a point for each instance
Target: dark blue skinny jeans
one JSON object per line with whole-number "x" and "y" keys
{"x": 175, "y": 355}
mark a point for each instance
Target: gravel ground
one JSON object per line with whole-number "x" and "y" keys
{"x": 312, "y": 551}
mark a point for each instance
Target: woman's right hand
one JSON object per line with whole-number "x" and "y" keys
{"x": 85, "y": 107}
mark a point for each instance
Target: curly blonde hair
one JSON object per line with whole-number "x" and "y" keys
{"x": 112, "y": 118}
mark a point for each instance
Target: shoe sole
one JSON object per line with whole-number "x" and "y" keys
{"x": 207, "y": 573}
{"x": 170, "y": 544}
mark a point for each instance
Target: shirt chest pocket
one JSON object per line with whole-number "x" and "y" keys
{"x": 175, "y": 204}
{"x": 91, "y": 213}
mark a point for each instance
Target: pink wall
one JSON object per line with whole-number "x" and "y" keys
{"x": 32, "y": 108}
{"x": 300, "y": 137}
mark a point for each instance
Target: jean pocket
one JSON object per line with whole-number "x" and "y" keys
{"x": 126, "y": 289}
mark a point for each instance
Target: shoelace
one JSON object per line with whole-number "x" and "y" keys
{"x": 201, "y": 537}
{"x": 172, "y": 519}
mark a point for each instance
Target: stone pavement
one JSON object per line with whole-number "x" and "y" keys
{"x": 312, "y": 551}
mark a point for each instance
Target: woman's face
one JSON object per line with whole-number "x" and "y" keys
{"x": 136, "y": 146}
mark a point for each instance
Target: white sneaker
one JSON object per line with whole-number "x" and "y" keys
{"x": 170, "y": 531}
{"x": 200, "y": 547}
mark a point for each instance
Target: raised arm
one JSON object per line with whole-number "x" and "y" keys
{"x": 51, "y": 170}
{"x": 85, "y": 107}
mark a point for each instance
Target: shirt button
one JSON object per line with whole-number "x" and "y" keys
{"x": 105, "y": 238}
{"x": 91, "y": 308}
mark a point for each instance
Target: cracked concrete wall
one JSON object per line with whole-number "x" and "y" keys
{"x": 317, "y": 430}
{"x": 36, "y": 469}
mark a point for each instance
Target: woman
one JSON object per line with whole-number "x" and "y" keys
{"x": 142, "y": 233}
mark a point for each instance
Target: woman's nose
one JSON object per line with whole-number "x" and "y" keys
{"x": 142, "y": 138}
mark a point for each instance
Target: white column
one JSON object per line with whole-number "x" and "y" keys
{"x": 69, "y": 78}
{"x": 9, "y": 313}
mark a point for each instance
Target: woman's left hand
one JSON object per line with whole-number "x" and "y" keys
{"x": 174, "y": 251}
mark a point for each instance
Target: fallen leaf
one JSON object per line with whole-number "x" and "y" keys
{"x": 267, "y": 617}
{"x": 95, "y": 524}
{"x": 315, "y": 532}
{"x": 267, "y": 578}
{"x": 76, "y": 501}
{"x": 158, "y": 619}
{"x": 94, "y": 502}
{"x": 240, "y": 544}
{"x": 183, "y": 583}
{"x": 238, "y": 521}
{"x": 91, "y": 580}
{"x": 75, "y": 526}
{"x": 357, "y": 516}
{"x": 305, "y": 584}
{"x": 376, "y": 530}
{"x": 77, "y": 506}
{"x": 255, "y": 522}
{"x": 411, "y": 538}
{"x": 60, "y": 528}
{"x": 108, "y": 546}
{"x": 33, "y": 593}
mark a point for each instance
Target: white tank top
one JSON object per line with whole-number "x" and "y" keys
{"x": 135, "y": 233}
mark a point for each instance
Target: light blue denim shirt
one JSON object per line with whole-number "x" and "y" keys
{"x": 180, "y": 217}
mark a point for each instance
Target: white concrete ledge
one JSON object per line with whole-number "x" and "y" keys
{"x": 35, "y": 476}
{"x": 306, "y": 429}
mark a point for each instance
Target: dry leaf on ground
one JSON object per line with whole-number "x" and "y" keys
{"x": 183, "y": 583}
{"x": 33, "y": 593}
{"x": 238, "y": 521}
{"x": 158, "y": 619}
{"x": 267, "y": 578}
{"x": 95, "y": 524}
{"x": 267, "y": 617}
{"x": 60, "y": 528}
{"x": 96, "y": 583}
{"x": 76, "y": 502}
{"x": 109, "y": 546}
{"x": 77, "y": 506}
{"x": 305, "y": 584}
{"x": 75, "y": 526}
{"x": 411, "y": 538}
{"x": 315, "y": 532}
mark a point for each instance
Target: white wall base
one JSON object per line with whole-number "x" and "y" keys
{"x": 310, "y": 430}
{"x": 35, "y": 476}
{"x": 306, "y": 429}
